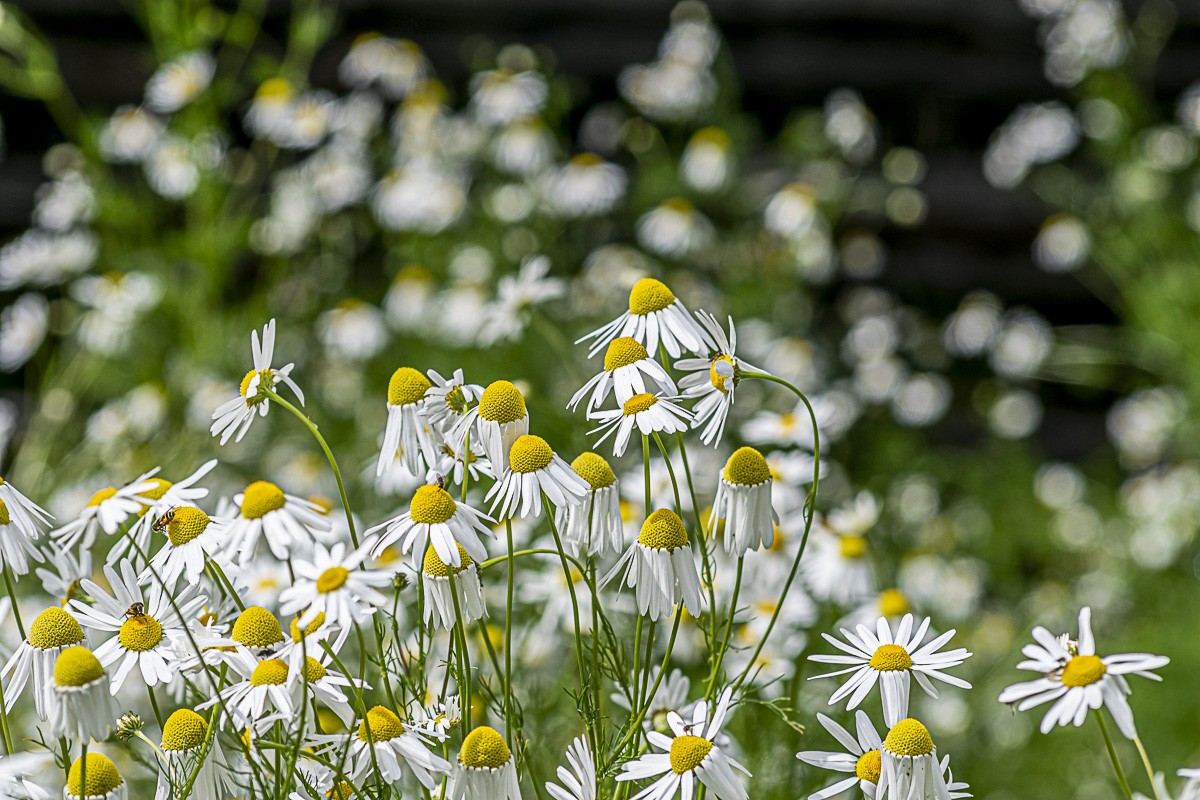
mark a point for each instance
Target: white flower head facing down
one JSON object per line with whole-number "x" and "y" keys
{"x": 891, "y": 661}
{"x": 655, "y": 315}
{"x": 1077, "y": 680}
{"x": 183, "y": 736}
{"x": 82, "y": 707}
{"x": 284, "y": 520}
{"x": 660, "y": 567}
{"x": 497, "y": 422}
{"x": 435, "y": 518}
{"x": 410, "y": 437}
{"x": 394, "y": 744}
{"x": 443, "y": 582}
{"x": 579, "y": 782}
{"x": 862, "y": 759}
{"x": 179, "y": 81}
{"x": 486, "y": 769}
{"x": 711, "y": 381}
{"x": 233, "y": 418}
{"x": 911, "y": 770}
{"x": 594, "y": 526}
{"x": 647, "y": 412}
{"x": 52, "y": 631}
{"x": 335, "y": 583}
{"x": 743, "y": 500}
{"x": 534, "y": 469}
{"x": 628, "y": 370}
{"x": 22, "y": 513}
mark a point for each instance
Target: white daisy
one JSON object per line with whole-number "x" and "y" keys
{"x": 517, "y": 295}
{"x": 107, "y": 510}
{"x": 689, "y": 756}
{"x": 257, "y": 630}
{"x": 442, "y": 582}
{"x": 457, "y": 464}
{"x": 578, "y": 783}
{"x": 448, "y": 400}
{"x": 837, "y": 566}
{"x": 159, "y": 499}
{"x": 179, "y": 81}
{"x": 594, "y": 527}
{"x": 647, "y": 412}
{"x": 434, "y": 517}
{"x": 496, "y": 423}
{"x": 192, "y": 539}
{"x": 486, "y": 769}
{"x": 410, "y": 436}
{"x": 661, "y": 568}
{"x": 911, "y": 770}
{"x": 63, "y": 573}
{"x": 52, "y": 631}
{"x": 436, "y": 719}
{"x": 534, "y": 469}
{"x": 27, "y": 516}
{"x": 502, "y": 95}
{"x": 585, "y": 186}
{"x": 711, "y": 381}
{"x": 19, "y": 776}
{"x": 743, "y": 500}
{"x": 183, "y": 737}
{"x": 396, "y": 65}
{"x": 335, "y": 583}
{"x": 284, "y": 520}
{"x": 17, "y": 546}
{"x": 265, "y": 690}
{"x": 1076, "y": 679}
{"x": 233, "y": 418}
{"x": 862, "y": 757}
{"x": 675, "y": 229}
{"x": 654, "y": 315}
{"x": 104, "y": 782}
{"x": 628, "y": 370}
{"x": 394, "y": 744}
{"x": 129, "y": 135}
{"x": 893, "y": 662}
{"x": 81, "y": 708}
{"x": 523, "y": 147}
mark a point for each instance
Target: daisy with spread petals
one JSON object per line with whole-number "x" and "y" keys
{"x": 496, "y": 422}
{"x": 334, "y": 583}
{"x": 711, "y": 381}
{"x": 159, "y": 499}
{"x": 486, "y": 769}
{"x": 193, "y": 538}
{"x": 628, "y": 370}
{"x": 578, "y": 783}
{"x": 647, "y": 412}
{"x": 52, "y": 631}
{"x": 910, "y": 766}
{"x": 891, "y": 661}
{"x": 265, "y": 689}
{"x": 284, "y": 520}
{"x": 654, "y": 315}
{"x": 534, "y": 469}
{"x": 595, "y": 526}
{"x": 1077, "y": 680}
{"x": 687, "y": 757}
{"x": 661, "y": 568}
{"x": 395, "y": 745}
{"x": 409, "y": 437}
{"x": 233, "y": 418}
{"x": 743, "y": 501}
{"x": 435, "y": 518}
{"x": 107, "y": 510}
{"x": 81, "y": 707}
{"x": 862, "y": 758}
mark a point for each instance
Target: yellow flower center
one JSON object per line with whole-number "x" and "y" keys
{"x": 187, "y": 523}
{"x": 853, "y": 547}
{"x": 891, "y": 658}
{"x": 501, "y": 402}
{"x": 869, "y": 766}
{"x": 639, "y": 403}
{"x": 893, "y": 603}
{"x": 716, "y": 378}
{"x": 623, "y": 351}
{"x": 313, "y": 670}
{"x": 648, "y": 296}
{"x": 332, "y": 579}
{"x": 529, "y": 453}
{"x": 712, "y": 135}
{"x": 747, "y": 467}
{"x": 456, "y": 401}
{"x": 260, "y": 499}
{"x": 687, "y": 752}
{"x": 406, "y": 387}
{"x": 1083, "y": 671}
{"x": 102, "y": 776}
{"x": 76, "y": 666}
{"x": 680, "y": 204}
{"x": 433, "y": 564}
{"x": 275, "y": 89}
{"x": 266, "y": 378}
{"x": 341, "y": 791}
{"x": 382, "y": 723}
{"x": 587, "y": 160}
{"x": 431, "y": 505}
{"x": 100, "y": 496}
{"x": 484, "y": 748}
{"x": 909, "y": 738}
{"x": 257, "y": 627}
{"x": 54, "y": 628}
{"x": 272, "y": 672}
{"x": 4, "y": 518}
{"x": 594, "y": 469}
{"x": 157, "y": 491}
{"x": 140, "y": 633}
{"x": 183, "y": 730}
{"x": 663, "y": 530}
{"x": 298, "y": 635}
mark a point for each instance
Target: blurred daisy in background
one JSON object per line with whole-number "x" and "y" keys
{"x": 586, "y": 186}
{"x": 179, "y": 81}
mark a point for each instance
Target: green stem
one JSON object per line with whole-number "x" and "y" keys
{"x": 154, "y": 704}
{"x": 579, "y": 659}
{"x": 1112, "y": 755}
{"x": 509, "y": 733}
{"x": 12, "y": 596}
{"x": 208, "y": 737}
{"x": 8, "y": 745}
{"x": 636, "y": 725}
{"x": 710, "y": 691}
{"x": 705, "y": 556}
{"x": 1141, "y": 748}
{"x": 464, "y": 660}
{"x": 82, "y": 769}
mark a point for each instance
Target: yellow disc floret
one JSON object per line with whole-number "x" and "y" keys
{"x": 100, "y": 496}
{"x": 431, "y": 505}
{"x": 687, "y": 752}
{"x": 407, "y": 386}
{"x": 272, "y": 672}
{"x": 529, "y": 453}
{"x": 183, "y": 730}
{"x": 54, "y": 628}
{"x": 716, "y": 378}
{"x": 266, "y": 377}
{"x": 341, "y": 791}
{"x": 1083, "y": 671}
{"x": 435, "y": 567}
{"x": 4, "y": 517}
{"x": 332, "y": 579}
{"x": 852, "y": 547}
{"x": 314, "y": 670}
{"x": 140, "y": 633}
{"x": 893, "y": 603}
{"x": 484, "y": 748}
{"x": 382, "y": 723}
{"x": 594, "y": 469}
{"x": 891, "y": 658}
{"x": 663, "y": 530}
{"x": 747, "y": 467}
{"x": 501, "y": 402}
{"x": 261, "y": 498}
{"x": 76, "y": 666}
{"x": 909, "y": 738}
{"x": 623, "y": 351}
{"x": 102, "y": 776}
{"x": 257, "y": 627}
{"x": 648, "y": 296}
{"x": 159, "y": 488}
{"x": 869, "y": 766}
{"x": 187, "y": 523}
{"x": 638, "y": 403}
{"x": 298, "y": 635}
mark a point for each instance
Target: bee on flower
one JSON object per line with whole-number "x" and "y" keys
{"x": 232, "y": 419}
{"x": 159, "y": 500}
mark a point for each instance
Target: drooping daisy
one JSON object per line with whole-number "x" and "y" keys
{"x": 706, "y": 162}
{"x": 534, "y": 468}
{"x": 409, "y": 436}
{"x": 661, "y": 568}
{"x": 654, "y": 315}
{"x": 233, "y": 418}
{"x": 335, "y": 583}
{"x": 911, "y": 770}
{"x": 183, "y": 737}
{"x": 144, "y": 620}
{"x": 689, "y": 756}
{"x": 16, "y": 547}
{"x": 159, "y": 499}
{"x": 81, "y": 706}
{"x": 647, "y": 412}
{"x": 1077, "y": 680}
{"x": 743, "y": 501}
{"x": 486, "y": 769}
{"x": 578, "y": 783}
{"x": 862, "y": 757}
{"x": 711, "y": 381}
{"x": 892, "y": 661}
{"x": 585, "y": 186}
{"x": 594, "y": 527}
{"x": 628, "y": 370}
{"x": 192, "y": 539}
{"x": 395, "y": 744}
{"x": 497, "y": 422}
{"x": 434, "y": 517}
{"x": 51, "y": 632}
{"x": 103, "y": 780}
{"x": 442, "y": 582}
{"x": 284, "y": 520}
{"x": 27, "y": 516}
{"x": 107, "y": 510}
{"x": 675, "y": 229}
{"x": 63, "y": 573}
{"x": 436, "y": 719}
{"x": 179, "y": 81}
{"x": 446, "y": 400}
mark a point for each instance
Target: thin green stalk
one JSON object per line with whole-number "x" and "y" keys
{"x": 637, "y": 654}
{"x": 1141, "y": 748}
{"x": 463, "y": 660}
{"x": 208, "y": 737}
{"x": 579, "y": 659}
{"x": 12, "y": 596}
{"x": 8, "y": 745}
{"x": 154, "y": 704}
{"x": 644, "y": 707}
{"x": 1112, "y": 756}
{"x": 705, "y": 556}
{"x": 710, "y": 691}
{"x": 509, "y": 733}
{"x": 82, "y": 769}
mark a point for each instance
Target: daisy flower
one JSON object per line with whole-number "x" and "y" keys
{"x": 265, "y": 689}
{"x": 585, "y": 186}
{"x": 179, "y": 81}
{"x": 18, "y": 779}
{"x": 144, "y": 620}
{"x": 1076, "y": 679}
{"x": 448, "y": 399}
{"x": 910, "y": 767}
{"x": 594, "y": 526}
{"x": 743, "y": 501}
{"x": 533, "y": 469}
{"x": 257, "y": 629}
{"x": 192, "y": 539}
{"x": 22, "y": 513}
{"x": 233, "y": 418}
{"x": 81, "y": 706}
{"x": 661, "y": 568}
{"x": 443, "y": 581}
{"x": 21, "y": 525}
{"x": 159, "y": 499}
{"x": 689, "y": 756}
{"x": 675, "y": 229}
{"x": 647, "y": 412}
{"x": 862, "y": 757}
{"x": 51, "y": 632}
{"x": 578, "y": 783}
{"x": 711, "y": 381}
{"x": 457, "y": 464}
{"x": 283, "y": 519}
{"x": 334, "y": 583}
{"x": 838, "y": 568}
{"x": 671, "y": 695}
{"x": 107, "y": 510}
{"x": 63, "y": 573}
{"x": 501, "y": 95}
{"x": 434, "y": 517}
{"x": 497, "y": 421}
{"x": 892, "y": 662}
{"x": 628, "y": 370}
{"x": 436, "y": 719}
{"x": 654, "y": 315}
{"x": 183, "y": 736}
{"x": 103, "y": 780}
{"x": 486, "y": 769}
{"x": 395, "y": 744}
{"x": 409, "y": 435}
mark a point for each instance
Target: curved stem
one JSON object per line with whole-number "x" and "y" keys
{"x": 1141, "y": 748}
